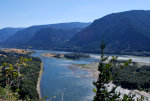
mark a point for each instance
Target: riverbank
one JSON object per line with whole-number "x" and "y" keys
{"x": 17, "y": 51}
{"x": 39, "y": 81}
{"x": 92, "y": 69}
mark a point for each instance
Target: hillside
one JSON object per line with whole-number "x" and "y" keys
{"x": 29, "y": 68}
{"x": 20, "y": 38}
{"x": 50, "y": 38}
{"x": 7, "y": 32}
{"x": 123, "y": 32}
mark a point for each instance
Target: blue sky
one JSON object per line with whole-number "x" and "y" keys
{"x": 24, "y": 13}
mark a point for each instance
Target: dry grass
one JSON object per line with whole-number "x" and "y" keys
{"x": 19, "y": 51}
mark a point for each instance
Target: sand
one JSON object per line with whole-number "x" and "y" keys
{"x": 39, "y": 81}
{"x": 92, "y": 68}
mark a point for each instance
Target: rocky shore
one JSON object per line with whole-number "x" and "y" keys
{"x": 92, "y": 69}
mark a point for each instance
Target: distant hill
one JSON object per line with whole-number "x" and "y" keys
{"x": 70, "y": 25}
{"x": 123, "y": 32}
{"x": 7, "y": 32}
{"x": 51, "y": 38}
{"x": 22, "y": 37}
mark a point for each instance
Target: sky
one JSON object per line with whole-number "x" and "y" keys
{"x": 24, "y": 13}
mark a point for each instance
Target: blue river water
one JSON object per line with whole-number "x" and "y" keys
{"x": 58, "y": 77}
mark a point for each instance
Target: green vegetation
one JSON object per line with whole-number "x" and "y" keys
{"x": 134, "y": 77}
{"x": 76, "y": 56}
{"x": 106, "y": 76}
{"x": 73, "y": 56}
{"x": 18, "y": 76}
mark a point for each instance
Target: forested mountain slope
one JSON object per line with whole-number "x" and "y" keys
{"x": 7, "y": 32}
{"x": 20, "y": 38}
{"x": 125, "y": 31}
{"x": 50, "y": 38}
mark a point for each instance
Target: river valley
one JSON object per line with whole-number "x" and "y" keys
{"x": 59, "y": 81}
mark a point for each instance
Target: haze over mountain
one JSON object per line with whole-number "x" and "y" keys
{"x": 22, "y": 37}
{"x": 7, "y": 32}
{"x": 125, "y": 31}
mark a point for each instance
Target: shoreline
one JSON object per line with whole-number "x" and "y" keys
{"x": 92, "y": 69}
{"x": 39, "y": 81}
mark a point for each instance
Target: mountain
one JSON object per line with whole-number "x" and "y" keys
{"x": 123, "y": 32}
{"x": 7, "y": 32}
{"x": 69, "y": 25}
{"x": 50, "y": 38}
{"x": 22, "y": 37}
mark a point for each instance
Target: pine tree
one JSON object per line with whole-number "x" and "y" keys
{"x": 106, "y": 76}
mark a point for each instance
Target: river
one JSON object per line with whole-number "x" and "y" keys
{"x": 58, "y": 79}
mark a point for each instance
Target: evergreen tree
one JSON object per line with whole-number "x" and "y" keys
{"x": 106, "y": 76}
